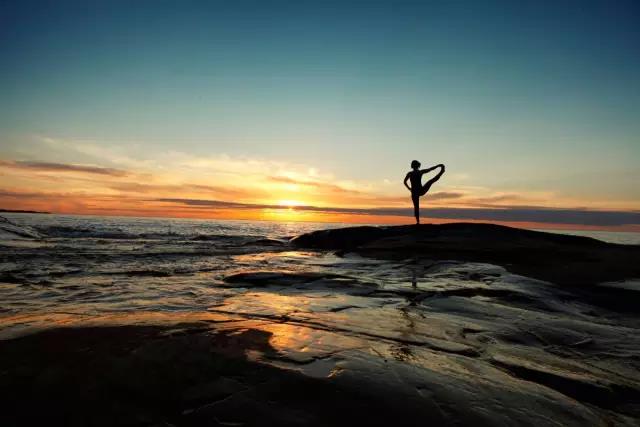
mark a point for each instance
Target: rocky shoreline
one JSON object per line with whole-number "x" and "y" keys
{"x": 459, "y": 324}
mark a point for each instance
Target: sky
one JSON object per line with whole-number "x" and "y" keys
{"x": 301, "y": 110}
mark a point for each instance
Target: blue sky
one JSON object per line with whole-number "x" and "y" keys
{"x": 537, "y": 97}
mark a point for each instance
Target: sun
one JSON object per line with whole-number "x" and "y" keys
{"x": 286, "y": 210}
{"x": 289, "y": 203}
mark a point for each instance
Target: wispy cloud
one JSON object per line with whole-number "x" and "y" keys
{"x": 22, "y": 194}
{"x": 140, "y": 188}
{"x": 62, "y": 167}
{"x": 445, "y": 195}
{"x": 318, "y": 185}
{"x": 498, "y": 198}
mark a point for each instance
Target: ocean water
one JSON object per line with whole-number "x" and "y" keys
{"x": 90, "y": 264}
{"x": 620, "y": 237}
{"x": 110, "y": 227}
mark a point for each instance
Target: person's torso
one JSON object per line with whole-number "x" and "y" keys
{"x": 416, "y": 180}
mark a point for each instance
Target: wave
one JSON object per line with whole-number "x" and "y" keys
{"x": 11, "y": 230}
{"x": 78, "y": 232}
{"x": 68, "y": 232}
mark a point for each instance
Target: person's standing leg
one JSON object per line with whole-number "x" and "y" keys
{"x": 416, "y": 207}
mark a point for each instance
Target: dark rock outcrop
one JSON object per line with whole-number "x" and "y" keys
{"x": 557, "y": 258}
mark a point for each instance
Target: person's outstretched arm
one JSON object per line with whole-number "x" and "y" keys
{"x": 406, "y": 178}
{"x": 423, "y": 171}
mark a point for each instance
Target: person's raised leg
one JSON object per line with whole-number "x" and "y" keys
{"x": 427, "y": 186}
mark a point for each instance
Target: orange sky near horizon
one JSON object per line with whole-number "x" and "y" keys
{"x": 94, "y": 190}
{"x": 103, "y": 181}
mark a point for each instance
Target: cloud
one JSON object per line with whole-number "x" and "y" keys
{"x": 99, "y": 150}
{"x": 497, "y": 198}
{"x": 445, "y": 195}
{"x": 216, "y": 203}
{"x": 62, "y": 167}
{"x": 318, "y": 185}
{"x": 576, "y": 216}
{"x": 134, "y": 187}
{"x": 181, "y": 164}
{"x": 22, "y": 194}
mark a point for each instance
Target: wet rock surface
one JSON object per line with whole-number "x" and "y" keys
{"x": 240, "y": 372}
{"x": 471, "y": 344}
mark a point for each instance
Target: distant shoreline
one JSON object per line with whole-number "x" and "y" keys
{"x": 21, "y": 211}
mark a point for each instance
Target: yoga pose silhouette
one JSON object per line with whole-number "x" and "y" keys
{"x": 417, "y": 189}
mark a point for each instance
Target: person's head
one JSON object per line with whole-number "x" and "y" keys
{"x": 415, "y": 164}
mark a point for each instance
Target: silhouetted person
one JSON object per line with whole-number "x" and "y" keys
{"x": 417, "y": 189}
